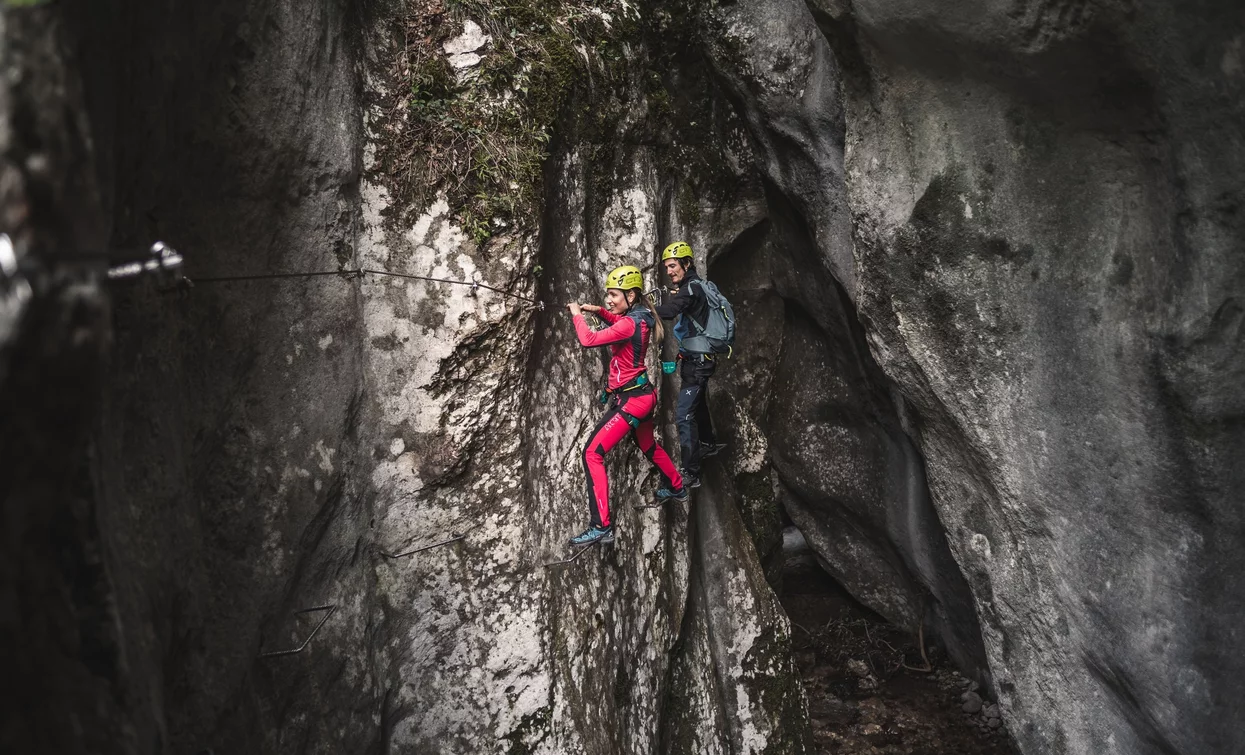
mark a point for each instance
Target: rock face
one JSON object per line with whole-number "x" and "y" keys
{"x": 264, "y": 443}
{"x": 988, "y": 263}
{"x": 1046, "y": 263}
{"x": 65, "y": 677}
{"x": 229, "y": 452}
{"x": 1062, "y": 308}
{"x": 807, "y": 402}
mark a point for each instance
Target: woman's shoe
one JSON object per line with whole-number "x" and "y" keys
{"x": 593, "y": 534}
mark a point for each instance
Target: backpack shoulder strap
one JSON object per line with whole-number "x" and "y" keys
{"x": 700, "y": 329}
{"x": 642, "y": 315}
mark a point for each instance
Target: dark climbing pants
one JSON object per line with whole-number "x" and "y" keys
{"x": 692, "y": 410}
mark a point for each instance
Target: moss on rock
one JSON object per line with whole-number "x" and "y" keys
{"x": 599, "y": 75}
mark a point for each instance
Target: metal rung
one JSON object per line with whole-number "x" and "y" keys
{"x": 306, "y": 642}
{"x": 574, "y": 556}
{"x": 430, "y": 546}
{"x": 657, "y": 505}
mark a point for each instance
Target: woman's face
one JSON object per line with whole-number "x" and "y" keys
{"x": 615, "y": 301}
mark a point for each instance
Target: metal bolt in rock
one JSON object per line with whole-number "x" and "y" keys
{"x": 15, "y": 290}
{"x": 164, "y": 259}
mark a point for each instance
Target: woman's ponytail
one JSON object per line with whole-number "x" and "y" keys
{"x": 658, "y": 337}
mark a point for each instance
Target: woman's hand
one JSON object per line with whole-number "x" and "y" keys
{"x": 574, "y": 309}
{"x": 590, "y": 308}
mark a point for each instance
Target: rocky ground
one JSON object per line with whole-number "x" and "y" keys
{"x": 864, "y": 692}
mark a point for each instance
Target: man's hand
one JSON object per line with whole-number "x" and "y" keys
{"x": 574, "y": 309}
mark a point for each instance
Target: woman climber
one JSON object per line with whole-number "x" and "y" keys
{"x": 629, "y": 394}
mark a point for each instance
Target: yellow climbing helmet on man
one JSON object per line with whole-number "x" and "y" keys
{"x": 677, "y": 250}
{"x": 625, "y": 278}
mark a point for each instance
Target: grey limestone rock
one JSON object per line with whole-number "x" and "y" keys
{"x": 258, "y": 446}
{"x": 989, "y": 259}
{"x": 1046, "y": 265}
{"x": 972, "y": 703}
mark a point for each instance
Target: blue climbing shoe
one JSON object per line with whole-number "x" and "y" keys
{"x": 593, "y": 534}
{"x": 666, "y": 494}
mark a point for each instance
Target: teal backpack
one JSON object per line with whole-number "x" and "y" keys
{"x": 718, "y": 334}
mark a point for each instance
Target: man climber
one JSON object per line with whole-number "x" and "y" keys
{"x": 697, "y": 440}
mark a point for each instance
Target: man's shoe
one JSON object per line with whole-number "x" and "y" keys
{"x": 593, "y": 534}
{"x": 711, "y": 449}
{"x": 690, "y": 480}
{"x": 666, "y": 494}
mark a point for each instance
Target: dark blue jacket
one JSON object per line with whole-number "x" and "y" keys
{"x": 688, "y": 302}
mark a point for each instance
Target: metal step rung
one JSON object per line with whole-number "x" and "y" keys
{"x": 306, "y": 642}
{"x": 421, "y": 548}
{"x": 573, "y": 556}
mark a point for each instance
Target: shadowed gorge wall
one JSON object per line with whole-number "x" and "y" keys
{"x": 262, "y": 442}
{"x": 986, "y": 260}
{"x": 1034, "y": 218}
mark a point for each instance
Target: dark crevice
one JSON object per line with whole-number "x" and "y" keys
{"x": 866, "y": 680}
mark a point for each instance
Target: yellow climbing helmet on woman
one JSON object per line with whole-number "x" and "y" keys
{"x": 677, "y": 250}
{"x": 625, "y": 278}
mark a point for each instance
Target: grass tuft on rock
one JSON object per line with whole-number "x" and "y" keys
{"x": 480, "y": 134}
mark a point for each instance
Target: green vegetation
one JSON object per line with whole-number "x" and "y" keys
{"x": 598, "y": 75}
{"x": 759, "y": 507}
{"x": 482, "y": 134}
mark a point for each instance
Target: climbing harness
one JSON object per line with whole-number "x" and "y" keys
{"x": 638, "y": 383}
{"x": 330, "y": 608}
